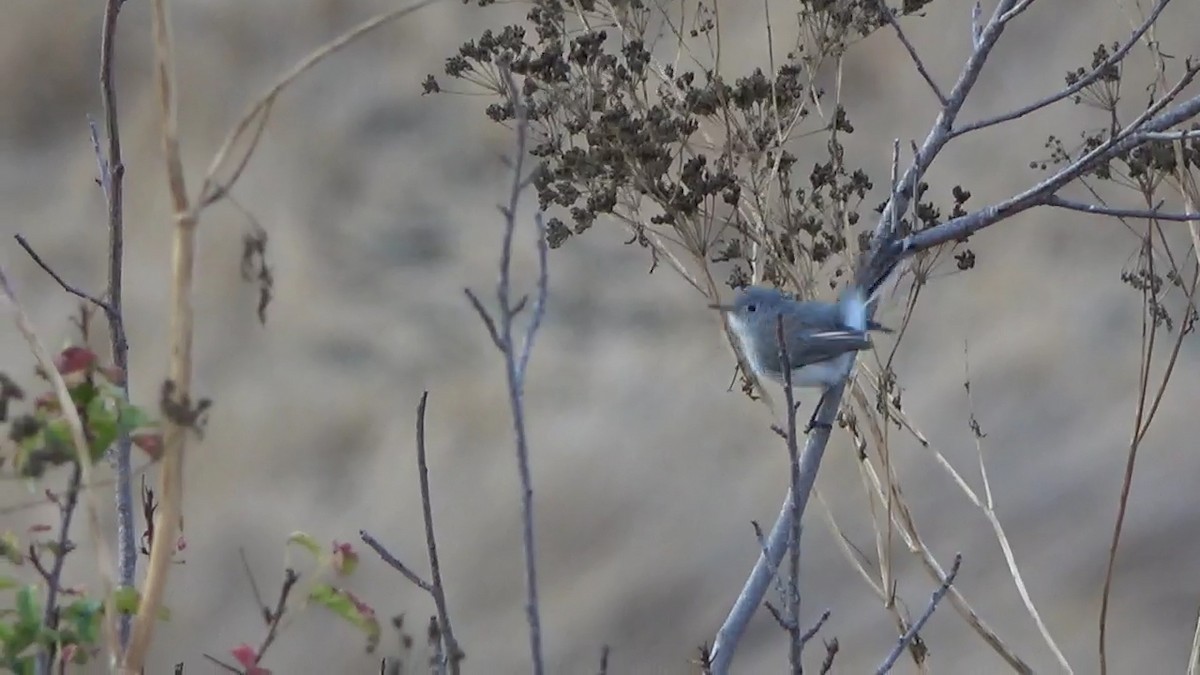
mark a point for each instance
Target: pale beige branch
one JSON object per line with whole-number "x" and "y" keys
{"x": 170, "y": 509}
{"x": 256, "y": 116}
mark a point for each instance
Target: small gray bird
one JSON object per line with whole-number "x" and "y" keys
{"x": 821, "y": 337}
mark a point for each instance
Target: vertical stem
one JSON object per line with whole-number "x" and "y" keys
{"x": 167, "y": 518}
{"x": 113, "y": 170}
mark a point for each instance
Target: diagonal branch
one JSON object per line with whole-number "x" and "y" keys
{"x": 912, "y": 51}
{"x": 1151, "y": 214}
{"x": 73, "y": 290}
{"x": 1079, "y": 85}
{"x": 917, "y": 625}
{"x": 1043, "y": 192}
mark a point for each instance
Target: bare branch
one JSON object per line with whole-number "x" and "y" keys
{"x": 759, "y": 581}
{"x": 112, "y": 180}
{"x": 816, "y": 628}
{"x": 255, "y": 118}
{"x": 221, "y": 664}
{"x": 940, "y": 133}
{"x": 81, "y": 294}
{"x": 395, "y": 562}
{"x": 516, "y": 359}
{"x": 792, "y": 623}
{"x": 53, "y": 577}
{"x": 1116, "y": 57}
{"x": 486, "y": 317}
{"x": 912, "y": 51}
{"x": 908, "y": 637}
{"x": 453, "y": 653}
{"x": 1041, "y": 193}
{"x": 543, "y": 291}
{"x": 1096, "y": 209}
{"x": 1170, "y": 136}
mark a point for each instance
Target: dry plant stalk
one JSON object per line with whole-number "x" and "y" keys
{"x": 169, "y": 514}
{"x": 167, "y": 518}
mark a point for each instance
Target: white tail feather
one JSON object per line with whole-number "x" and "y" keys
{"x": 854, "y": 309}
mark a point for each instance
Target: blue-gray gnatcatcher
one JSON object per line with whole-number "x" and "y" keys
{"x": 821, "y": 337}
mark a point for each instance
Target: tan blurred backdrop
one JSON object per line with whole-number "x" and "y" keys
{"x": 380, "y": 205}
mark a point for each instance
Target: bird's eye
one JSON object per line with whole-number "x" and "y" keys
{"x": 751, "y": 308}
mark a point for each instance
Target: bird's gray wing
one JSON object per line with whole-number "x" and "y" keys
{"x": 809, "y": 347}
{"x": 821, "y": 335}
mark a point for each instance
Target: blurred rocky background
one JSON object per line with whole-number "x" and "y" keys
{"x": 380, "y": 205}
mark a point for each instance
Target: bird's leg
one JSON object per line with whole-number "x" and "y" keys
{"x": 812, "y": 422}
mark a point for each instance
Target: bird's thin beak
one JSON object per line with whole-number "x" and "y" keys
{"x": 722, "y": 308}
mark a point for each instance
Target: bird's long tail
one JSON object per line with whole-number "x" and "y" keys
{"x": 876, "y": 267}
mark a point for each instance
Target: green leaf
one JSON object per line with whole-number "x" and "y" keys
{"x": 84, "y": 394}
{"x": 346, "y": 605}
{"x": 56, "y": 435}
{"x": 84, "y": 617}
{"x": 307, "y": 542}
{"x": 27, "y": 606}
{"x": 126, "y": 600}
{"x": 8, "y": 583}
{"x": 101, "y": 423}
{"x": 132, "y": 417}
{"x": 12, "y": 549}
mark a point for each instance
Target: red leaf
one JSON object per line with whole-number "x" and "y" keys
{"x": 74, "y": 360}
{"x": 344, "y": 559}
{"x": 150, "y": 443}
{"x": 247, "y": 656}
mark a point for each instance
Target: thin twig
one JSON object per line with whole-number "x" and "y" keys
{"x": 258, "y": 599}
{"x": 73, "y": 290}
{"x": 112, "y": 180}
{"x": 912, "y": 51}
{"x": 290, "y": 577}
{"x": 989, "y": 510}
{"x": 254, "y": 120}
{"x": 917, "y": 625}
{"x": 796, "y": 645}
{"x": 1155, "y": 214}
{"x": 1103, "y": 67}
{"x": 224, "y": 666}
{"x": 54, "y": 575}
{"x": 453, "y": 654}
{"x": 396, "y": 564}
{"x": 1194, "y": 655}
{"x": 515, "y": 366}
{"x": 1042, "y": 192}
{"x": 811, "y": 633}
